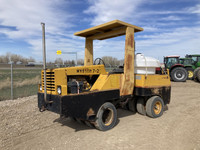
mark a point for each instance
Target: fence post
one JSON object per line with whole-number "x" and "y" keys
{"x": 11, "y": 78}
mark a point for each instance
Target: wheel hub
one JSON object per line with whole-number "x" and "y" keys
{"x": 108, "y": 116}
{"x": 190, "y": 74}
{"x": 179, "y": 75}
{"x": 157, "y": 108}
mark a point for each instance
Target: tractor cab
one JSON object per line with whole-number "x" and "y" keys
{"x": 195, "y": 58}
{"x": 187, "y": 62}
{"x": 170, "y": 61}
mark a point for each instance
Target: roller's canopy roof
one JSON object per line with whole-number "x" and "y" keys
{"x": 107, "y": 30}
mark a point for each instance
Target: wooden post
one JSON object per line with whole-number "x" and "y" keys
{"x": 127, "y": 79}
{"x": 88, "y": 52}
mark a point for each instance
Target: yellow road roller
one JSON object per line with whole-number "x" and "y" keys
{"x": 91, "y": 95}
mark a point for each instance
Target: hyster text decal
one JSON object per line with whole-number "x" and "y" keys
{"x": 86, "y": 70}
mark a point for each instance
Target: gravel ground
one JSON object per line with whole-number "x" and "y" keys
{"x": 22, "y": 126}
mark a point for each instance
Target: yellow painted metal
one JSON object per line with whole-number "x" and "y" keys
{"x": 127, "y": 83}
{"x": 107, "y": 30}
{"x": 124, "y": 82}
{"x": 106, "y": 82}
{"x": 150, "y": 81}
{"x": 85, "y": 70}
{"x": 58, "y": 77}
{"x": 88, "y": 52}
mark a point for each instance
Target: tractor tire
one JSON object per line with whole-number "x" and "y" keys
{"x": 141, "y": 106}
{"x": 155, "y": 107}
{"x": 131, "y": 105}
{"x": 106, "y": 117}
{"x": 179, "y": 74}
{"x": 196, "y": 71}
{"x": 198, "y": 75}
{"x": 190, "y": 73}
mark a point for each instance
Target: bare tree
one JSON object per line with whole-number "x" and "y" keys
{"x": 110, "y": 61}
{"x": 15, "y": 58}
{"x": 70, "y": 62}
{"x": 80, "y": 62}
{"x": 31, "y": 59}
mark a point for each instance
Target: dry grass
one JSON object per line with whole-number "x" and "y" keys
{"x": 6, "y": 83}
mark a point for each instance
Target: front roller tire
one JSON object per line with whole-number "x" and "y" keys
{"x": 106, "y": 117}
{"x": 154, "y": 107}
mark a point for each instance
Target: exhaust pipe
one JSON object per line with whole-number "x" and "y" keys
{"x": 44, "y": 62}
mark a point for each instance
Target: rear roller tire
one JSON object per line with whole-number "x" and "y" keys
{"x": 131, "y": 105}
{"x": 154, "y": 107}
{"x": 141, "y": 106}
{"x": 106, "y": 117}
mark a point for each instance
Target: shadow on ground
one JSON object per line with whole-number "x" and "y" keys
{"x": 79, "y": 126}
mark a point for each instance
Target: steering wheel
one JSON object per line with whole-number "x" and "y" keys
{"x": 99, "y": 61}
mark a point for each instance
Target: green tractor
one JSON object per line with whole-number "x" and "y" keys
{"x": 196, "y": 64}
{"x": 178, "y": 72}
{"x": 189, "y": 66}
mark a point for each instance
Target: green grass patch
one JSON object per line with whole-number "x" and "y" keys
{"x": 19, "y": 74}
{"x": 18, "y": 92}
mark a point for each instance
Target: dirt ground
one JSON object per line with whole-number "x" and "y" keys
{"x": 22, "y": 126}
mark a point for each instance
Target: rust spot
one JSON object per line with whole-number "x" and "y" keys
{"x": 88, "y": 60}
{"x": 130, "y": 40}
{"x": 90, "y": 112}
{"x": 128, "y": 63}
{"x": 155, "y": 91}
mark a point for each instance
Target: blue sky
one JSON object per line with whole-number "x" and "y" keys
{"x": 170, "y": 27}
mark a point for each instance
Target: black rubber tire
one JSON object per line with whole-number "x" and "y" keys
{"x": 141, "y": 106}
{"x": 198, "y": 75}
{"x": 131, "y": 105}
{"x": 150, "y": 106}
{"x": 179, "y": 74}
{"x": 195, "y": 73}
{"x": 190, "y": 73}
{"x": 99, "y": 61}
{"x": 106, "y": 110}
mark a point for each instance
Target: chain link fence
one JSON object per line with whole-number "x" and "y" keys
{"x": 21, "y": 81}
{"x": 24, "y": 81}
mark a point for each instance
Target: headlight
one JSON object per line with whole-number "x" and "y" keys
{"x": 40, "y": 87}
{"x": 59, "y": 90}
